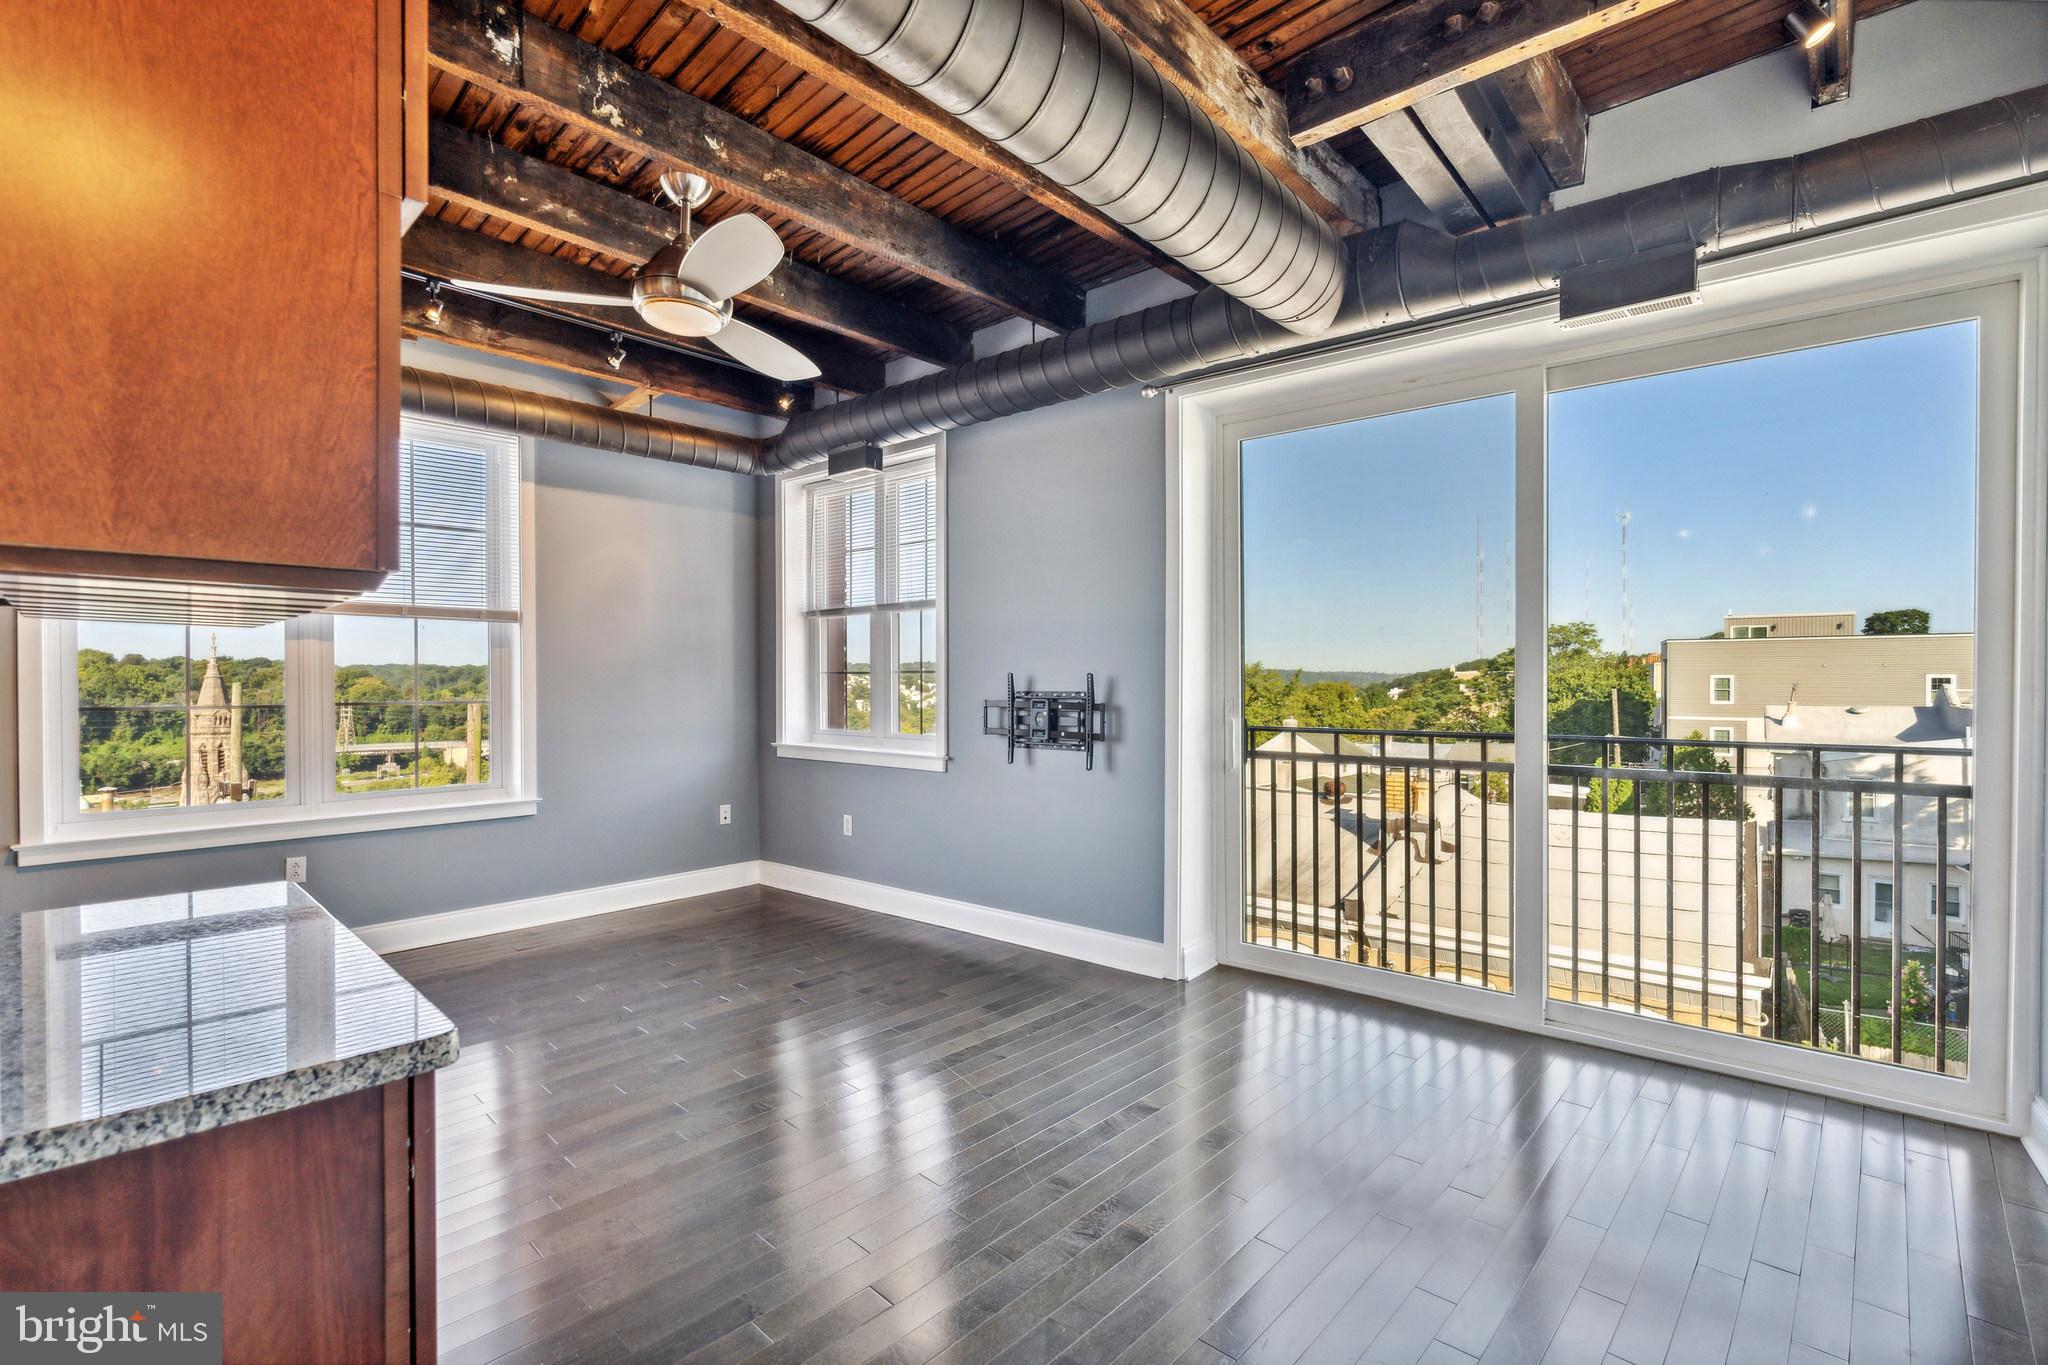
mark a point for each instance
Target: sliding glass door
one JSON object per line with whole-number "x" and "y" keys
{"x": 1746, "y": 599}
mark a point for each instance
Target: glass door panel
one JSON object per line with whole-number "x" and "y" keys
{"x": 1762, "y": 652}
{"x": 1378, "y": 619}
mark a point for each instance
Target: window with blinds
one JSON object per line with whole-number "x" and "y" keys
{"x": 870, "y": 602}
{"x": 458, "y": 499}
{"x": 874, "y": 543}
{"x": 412, "y": 675}
{"x": 416, "y": 699}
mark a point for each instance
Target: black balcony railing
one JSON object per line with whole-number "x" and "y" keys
{"x": 1813, "y": 895}
{"x": 1385, "y": 848}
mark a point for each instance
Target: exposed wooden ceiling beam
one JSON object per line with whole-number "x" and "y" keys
{"x": 476, "y": 173}
{"x": 1400, "y": 139}
{"x": 492, "y": 44}
{"x": 1827, "y": 63}
{"x": 1407, "y": 52}
{"x": 1547, "y": 110}
{"x": 781, "y": 34}
{"x": 1187, "y": 52}
{"x": 1476, "y": 133}
{"x": 500, "y": 329}
{"x": 452, "y": 253}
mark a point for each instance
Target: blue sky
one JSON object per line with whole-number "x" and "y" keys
{"x": 1834, "y": 479}
{"x": 357, "y": 640}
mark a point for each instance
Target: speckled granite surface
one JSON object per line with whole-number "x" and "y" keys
{"x": 135, "y": 1022}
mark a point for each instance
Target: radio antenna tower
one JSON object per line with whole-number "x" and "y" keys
{"x": 1479, "y": 605}
{"x": 1627, "y": 623}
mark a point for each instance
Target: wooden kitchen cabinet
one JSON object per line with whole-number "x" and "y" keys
{"x": 199, "y": 320}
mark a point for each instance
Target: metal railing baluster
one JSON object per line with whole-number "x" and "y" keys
{"x": 1852, "y": 1015}
{"x": 1741, "y": 878}
{"x": 1898, "y": 884}
{"x": 1707, "y": 920}
{"x": 1940, "y": 932}
{"x": 1670, "y": 887}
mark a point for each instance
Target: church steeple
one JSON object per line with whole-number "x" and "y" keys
{"x": 213, "y": 736}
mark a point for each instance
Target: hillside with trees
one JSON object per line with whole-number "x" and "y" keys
{"x": 1584, "y": 676}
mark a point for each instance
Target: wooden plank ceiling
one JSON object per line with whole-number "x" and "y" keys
{"x": 1013, "y": 245}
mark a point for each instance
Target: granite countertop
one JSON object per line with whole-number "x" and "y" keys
{"x": 128, "y": 1023}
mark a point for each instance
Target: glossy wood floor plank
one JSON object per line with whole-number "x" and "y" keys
{"x": 758, "y": 1128}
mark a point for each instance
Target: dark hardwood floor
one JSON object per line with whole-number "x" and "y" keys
{"x": 755, "y": 1127}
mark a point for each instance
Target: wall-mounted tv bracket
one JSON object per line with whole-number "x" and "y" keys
{"x": 1048, "y": 720}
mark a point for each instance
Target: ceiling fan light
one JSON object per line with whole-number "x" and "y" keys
{"x": 683, "y": 317}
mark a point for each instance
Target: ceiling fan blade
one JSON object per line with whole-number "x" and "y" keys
{"x": 733, "y": 255}
{"x": 756, "y": 349}
{"x": 520, "y": 291}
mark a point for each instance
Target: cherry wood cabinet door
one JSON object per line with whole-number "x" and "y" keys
{"x": 199, "y": 327}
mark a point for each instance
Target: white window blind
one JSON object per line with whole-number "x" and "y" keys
{"x": 458, "y": 503}
{"x": 874, "y": 543}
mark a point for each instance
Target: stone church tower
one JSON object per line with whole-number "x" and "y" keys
{"x": 213, "y": 734}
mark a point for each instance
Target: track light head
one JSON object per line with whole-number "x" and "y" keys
{"x": 436, "y": 309}
{"x": 1810, "y": 23}
{"x": 618, "y": 351}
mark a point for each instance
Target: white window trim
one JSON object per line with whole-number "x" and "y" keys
{"x": 1962, "y": 890}
{"x": 53, "y": 831}
{"x": 1713, "y": 700}
{"x": 1953, "y": 681}
{"x": 1720, "y": 734}
{"x": 796, "y": 733}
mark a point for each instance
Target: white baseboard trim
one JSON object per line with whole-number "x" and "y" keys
{"x": 394, "y": 936}
{"x": 2035, "y": 1139}
{"x": 1196, "y": 958}
{"x": 1104, "y": 949}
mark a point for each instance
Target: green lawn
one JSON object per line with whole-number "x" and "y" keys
{"x": 1874, "y": 991}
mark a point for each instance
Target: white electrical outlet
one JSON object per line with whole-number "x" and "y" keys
{"x": 725, "y": 815}
{"x": 295, "y": 869}
{"x": 846, "y": 825}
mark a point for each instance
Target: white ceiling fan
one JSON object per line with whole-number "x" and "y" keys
{"x": 686, "y": 289}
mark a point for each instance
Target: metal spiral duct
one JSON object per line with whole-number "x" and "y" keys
{"x": 583, "y": 424}
{"x": 1409, "y": 272}
{"x": 1044, "y": 80}
{"x": 1145, "y": 347}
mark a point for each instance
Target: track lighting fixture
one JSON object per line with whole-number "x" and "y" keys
{"x": 618, "y": 352}
{"x": 436, "y": 309}
{"x": 1810, "y": 23}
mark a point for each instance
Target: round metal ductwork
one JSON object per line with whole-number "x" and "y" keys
{"x": 1409, "y": 272}
{"x": 582, "y": 424}
{"x": 1044, "y": 80}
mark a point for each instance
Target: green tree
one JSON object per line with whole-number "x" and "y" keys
{"x": 1899, "y": 621}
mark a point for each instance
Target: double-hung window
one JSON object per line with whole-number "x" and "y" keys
{"x": 861, "y": 609}
{"x": 410, "y": 705}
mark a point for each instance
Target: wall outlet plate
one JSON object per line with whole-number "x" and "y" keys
{"x": 295, "y": 869}
{"x": 846, "y": 825}
{"x": 725, "y": 815}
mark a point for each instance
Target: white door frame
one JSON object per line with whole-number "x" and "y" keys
{"x": 1998, "y": 239}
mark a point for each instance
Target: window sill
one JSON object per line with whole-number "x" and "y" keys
{"x": 874, "y": 758}
{"x": 138, "y": 843}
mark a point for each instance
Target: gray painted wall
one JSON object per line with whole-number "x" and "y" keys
{"x": 645, "y": 600}
{"x": 1056, "y": 561}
